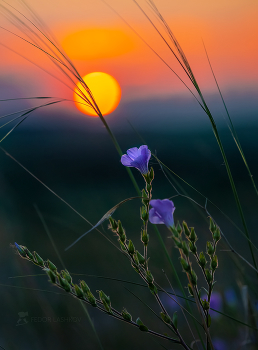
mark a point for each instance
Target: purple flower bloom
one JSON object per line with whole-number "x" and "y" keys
{"x": 137, "y": 158}
{"x": 162, "y": 212}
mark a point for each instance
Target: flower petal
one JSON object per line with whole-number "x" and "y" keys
{"x": 133, "y": 153}
{"x": 126, "y": 161}
{"x": 165, "y": 208}
{"x": 154, "y": 217}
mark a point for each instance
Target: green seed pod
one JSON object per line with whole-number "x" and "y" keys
{"x": 175, "y": 319}
{"x": 193, "y": 247}
{"x": 78, "y": 291}
{"x": 202, "y": 260}
{"x": 122, "y": 238}
{"x": 64, "y": 284}
{"x": 84, "y": 287}
{"x": 104, "y": 297}
{"x": 144, "y": 214}
{"x": 145, "y": 199}
{"x": 144, "y": 237}
{"x": 51, "y": 266}
{"x": 193, "y": 236}
{"x": 29, "y": 255}
{"x": 113, "y": 224}
{"x": 212, "y": 226}
{"x": 190, "y": 290}
{"x": 178, "y": 243}
{"x": 142, "y": 327}
{"x": 205, "y": 304}
{"x": 120, "y": 229}
{"x": 216, "y": 235}
{"x": 210, "y": 248}
{"x": 179, "y": 228}
{"x": 51, "y": 275}
{"x": 193, "y": 278}
{"x": 122, "y": 245}
{"x": 153, "y": 288}
{"x": 185, "y": 265}
{"x": 140, "y": 258}
{"x": 66, "y": 275}
{"x": 149, "y": 187}
{"x": 126, "y": 316}
{"x": 186, "y": 229}
{"x": 174, "y": 231}
{"x": 91, "y": 299}
{"x": 165, "y": 317}
{"x": 131, "y": 248}
{"x": 214, "y": 263}
{"x": 149, "y": 277}
{"x": 208, "y": 276}
{"x": 185, "y": 249}
{"x": 39, "y": 260}
{"x": 151, "y": 174}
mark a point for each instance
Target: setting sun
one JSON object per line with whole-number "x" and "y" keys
{"x": 105, "y": 90}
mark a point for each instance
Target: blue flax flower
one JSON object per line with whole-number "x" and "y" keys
{"x": 137, "y": 158}
{"x": 162, "y": 212}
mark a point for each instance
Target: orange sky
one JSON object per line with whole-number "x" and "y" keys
{"x": 228, "y": 28}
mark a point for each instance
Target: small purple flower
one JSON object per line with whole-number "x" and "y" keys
{"x": 137, "y": 158}
{"x": 162, "y": 212}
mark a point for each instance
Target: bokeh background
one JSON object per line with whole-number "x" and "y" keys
{"x": 74, "y": 156}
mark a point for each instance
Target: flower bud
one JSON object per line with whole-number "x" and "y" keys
{"x": 165, "y": 317}
{"x": 212, "y": 226}
{"x": 84, "y": 287}
{"x": 78, "y": 291}
{"x": 175, "y": 319}
{"x": 185, "y": 249}
{"x": 51, "y": 266}
{"x": 122, "y": 245}
{"x": 39, "y": 260}
{"x": 145, "y": 237}
{"x": 122, "y": 238}
{"x": 202, "y": 260}
{"x": 216, "y": 235}
{"x": 205, "y": 304}
{"x": 193, "y": 278}
{"x": 51, "y": 275}
{"x": 186, "y": 229}
{"x": 151, "y": 174}
{"x": 20, "y": 250}
{"x": 208, "y": 276}
{"x": 126, "y": 316}
{"x": 105, "y": 301}
{"x": 140, "y": 258}
{"x": 214, "y": 263}
{"x": 193, "y": 247}
{"x": 185, "y": 265}
{"x": 142, "y": 327}
{"x": 131, "y": 248}
{"x": 210, "y": 248}
{"x": 193, "y": 236}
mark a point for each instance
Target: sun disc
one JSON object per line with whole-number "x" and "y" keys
{"x": 105, "y": 90}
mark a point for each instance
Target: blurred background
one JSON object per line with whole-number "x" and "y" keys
{"x": 74, "y": 156}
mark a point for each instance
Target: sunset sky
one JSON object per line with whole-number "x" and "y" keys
{"x": 96, "y": 39}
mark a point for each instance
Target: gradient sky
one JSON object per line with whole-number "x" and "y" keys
{"x": 229, "y": 29}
